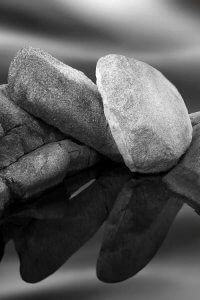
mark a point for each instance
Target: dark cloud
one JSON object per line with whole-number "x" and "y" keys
{"x": 47, "y": 18}
{"x": 190, "y": 5}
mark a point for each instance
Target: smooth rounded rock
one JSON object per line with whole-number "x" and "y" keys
{"x": 146, "y": 114}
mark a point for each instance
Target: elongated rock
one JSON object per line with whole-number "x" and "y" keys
{"x": 136, "y": 227}
{"x": 184, "y": 178}
{"x": 53, "y": 203}
{"x": 34, "y": 156}
{"x": 61, "y": 96}
{"x": 43, "y": 168}
{"x": 146, "y": 114}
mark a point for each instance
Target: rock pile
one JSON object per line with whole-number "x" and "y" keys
{"x": 132, "y": 127}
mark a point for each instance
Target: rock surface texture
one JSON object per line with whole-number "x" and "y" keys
{"x": 146, "y": 114}
{"x": 62, "y": 97}
{"x": 52, "y": 202}
{"x": 33, "y": 155}
{"x": 184, "y": 178}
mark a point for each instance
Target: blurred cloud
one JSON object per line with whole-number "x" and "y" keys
{"x": 150, "y": 27}
{"x": 192, "y": 5}
{"x": 78, "y": 32}
{"x": 46, "y": 18}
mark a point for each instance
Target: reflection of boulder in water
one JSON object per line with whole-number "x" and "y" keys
{"x": 184, "y": 178}
{"x": 136, "y": 227}
{"x": 54, "y": 234}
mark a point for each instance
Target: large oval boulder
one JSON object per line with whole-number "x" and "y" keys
{"x": 146, "y": 114}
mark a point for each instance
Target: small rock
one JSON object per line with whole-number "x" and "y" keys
{"x": 147, "y": 116}
{"x": 184, "y": 178}
{"x": 195, "y": 118}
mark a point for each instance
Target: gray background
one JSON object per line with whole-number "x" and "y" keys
{"x": 160, "y": 32}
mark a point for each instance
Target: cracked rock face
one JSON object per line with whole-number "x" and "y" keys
{"x": 21, "y": 130}
{"x": 146, "y": 114}
{"x": 33, "y": 155}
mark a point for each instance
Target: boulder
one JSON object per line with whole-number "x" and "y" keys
{"x": 184, "y": 178}
{"x": 62, "y": 97}
{"x": 146, "y": 114}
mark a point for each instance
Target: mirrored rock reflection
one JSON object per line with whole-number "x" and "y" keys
{"x": 137, "y": 209}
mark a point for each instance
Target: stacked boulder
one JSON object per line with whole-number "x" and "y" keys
{"x": 133, "y": 127}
